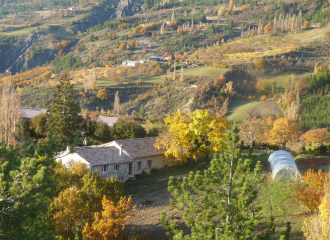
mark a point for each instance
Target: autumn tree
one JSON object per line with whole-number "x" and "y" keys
{"x": 219, "y": 203}
{"x": 315, "y": 138}
{"x": 311, "y": 192}
{"x": 222, "y": 11}
{"x": 190, "y": 135}
{"x": 80, "y": 197}
{"x": 219, "y": 82}
{"x": 267, "y": 28}
{"x": 252, "y": 130}
{"x": 317, "y": 227}
{"x": 64, "y": 119}
{"x": 102, "y": 94}
{"x": 307, "y": 24}
{"x": 10, "y": 112}
{"x": 116, "y": 105}
{"x": 109, "y": 223}
{"x": 260, "y": 63}
{"x": 283, "y": 131}
{"x": 132, "y": 45}
{"x": 123, "y": 46}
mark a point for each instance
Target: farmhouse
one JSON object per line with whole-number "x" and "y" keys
{"x": 157, "y": 59}
{"x": 130, "y": 63}
{"x": 121, "y": 159}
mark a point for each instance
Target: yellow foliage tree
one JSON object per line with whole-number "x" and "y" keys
{"x": 252, "y": 130}
{"x": 260, "y": 63}
{"x": 320, "y": 135}
{"x": 222, "y": 11}
{"x": 307, "y": 24}
{"x": 284, "y": 130}
{"x": 190, "y": 135}
{"x": 318, "y": 227}
{"x": 102, "y": 94}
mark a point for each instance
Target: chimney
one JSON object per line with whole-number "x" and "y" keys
{"x": 120, "y": 149}
{"x": 68, "y": 148}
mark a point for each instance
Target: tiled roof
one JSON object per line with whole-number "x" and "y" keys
{"x": 110, "y": 121}
{"x": 32, "y": 112}
{"x": 102, "y": 155}
{"x": 140, "y": 147}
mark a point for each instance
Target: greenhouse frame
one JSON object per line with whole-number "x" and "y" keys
{"x": 283, "y": 165}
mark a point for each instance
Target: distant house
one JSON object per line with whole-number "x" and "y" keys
{"x": 121, "y": 159}
{"x": 71, "y": 8}
{"x": 130, "y": 63}
{"x": 29, "y": 113}
{"x": 157, "y": 59}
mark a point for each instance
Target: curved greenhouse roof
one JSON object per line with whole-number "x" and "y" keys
{"x": 283, "y": 165}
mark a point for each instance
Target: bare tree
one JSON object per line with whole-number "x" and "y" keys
{"x": 10, "y": 112}
{"x": 116, "y": 106}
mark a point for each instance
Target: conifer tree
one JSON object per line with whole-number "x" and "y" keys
{"x": 220, "y": 200}
{"x": 64, "y": 120}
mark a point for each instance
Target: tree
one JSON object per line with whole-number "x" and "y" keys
{"x": 284, "y": 130}
{"x": 222, "y": 11}
{"x": 260, "y": 63}
{"x": 10, "y": 112}
{"x": 311, "y": 192}
{"x": 218, "y": 204}
{"x": 63, "y": 117}
{"x": 319, "y": 135}
{"x": 116, "y": 105}
{"x": 109, "y": 223}
{"x": 317, "y": 226}
{"x": 38, "y": 125}
{"x": 307, "y": 24}
{"x": 102, "y": 131}
{"x": 182, "y": 75}
{"x": 190, "y": 135}
{"x": 27, "y": 185}
{"x": 252, "y": 130}
{"x": 102, "y": 94}
{"x": 141, "y": 111}
{"x": 123, "y": 46}
{"x": 267, "y": 28}
{"x": 127, "y": 130}
{"x": 81, "y": 196}
{"x": 132, "y": 45}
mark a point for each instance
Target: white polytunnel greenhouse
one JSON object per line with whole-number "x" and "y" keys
{"x": 283, "y": 165}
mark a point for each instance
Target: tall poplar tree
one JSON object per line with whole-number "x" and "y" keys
{"x": 64, "y": 120}
{"x": 218, "y": 204}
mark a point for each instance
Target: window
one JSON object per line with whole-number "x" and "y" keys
{"x": 139, "y": 165}
{"x": 116, "y": 167}
{"x": 104, "y": 168}
{"x": 149, "y": 163}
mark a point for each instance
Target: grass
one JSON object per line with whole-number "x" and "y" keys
{"x": 277, "y": 199}
{"x": 313, "y": 34}
{"x": 18, "y": 32}
{"x": 280, "y": 79}
{"x": 205, "y": 71}
{"x": 238, "y": 109}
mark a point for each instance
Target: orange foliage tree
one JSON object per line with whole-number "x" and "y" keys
{"x": 283, "y": 131}
{"x": 123, "y": 46}
{"x": 267, "y": 28}
{"x": 310, "y": 194}
{"x": 320, "y": 135}
{"x": 109, "y": 223}
{"x": 252, "y": 130}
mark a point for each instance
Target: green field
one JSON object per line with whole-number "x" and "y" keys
{"x": 280, "y": 79}
{"x": 205, "y": 71}
{"x": 238, "y": 108}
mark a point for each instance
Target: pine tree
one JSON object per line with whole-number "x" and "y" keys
{"x": 220, "y": 201}
{"x": 64, "y": 120}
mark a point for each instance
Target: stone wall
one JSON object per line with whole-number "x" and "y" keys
{"x": 158, "y": 161}
{"x": 121, "y": 174}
